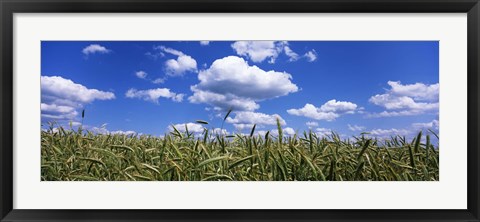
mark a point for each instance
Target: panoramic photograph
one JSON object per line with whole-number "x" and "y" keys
{"x": 239, "y": 110}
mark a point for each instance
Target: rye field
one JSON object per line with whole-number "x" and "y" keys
{"x": 80, "y": 155}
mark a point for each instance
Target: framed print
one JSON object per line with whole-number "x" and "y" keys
{"x": 252, "y": 111}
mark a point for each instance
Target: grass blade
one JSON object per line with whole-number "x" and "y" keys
{"x": 211, "y": 160}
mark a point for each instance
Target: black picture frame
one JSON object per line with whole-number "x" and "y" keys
{"x": 9, "y": 7}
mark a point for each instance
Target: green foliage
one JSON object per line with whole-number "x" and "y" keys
{"x": 69, "y": 155}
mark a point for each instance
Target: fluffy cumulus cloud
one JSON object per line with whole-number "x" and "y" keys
{"x": 246, "y": 120}
{"x": 311, "y": 124}
{"x": 417, "y": 91}
{"x": 62, "y": 98}
{"x": 288, "y": 131}
{"x": 66, "y": 91}
{"x": 434, "y": 124}
{"x": 179, "y": 66}
{"x": 393, "y": 102}
{"x": 231, "y": 82}
{"x": 386, "y": 133}
{"x": 153, "y": 95}
{"x": 356, "y": 128}
{"x": 323, "y": 132}
{"x": 192, "y": 127}
{"x": 95, "y": 48}
{"x": 224, "y": 101}
{"x": 58, "y": 113}
{"x": 259, "y": 51}
{"x": 405, "y": 100}
{"x": 328, "y": 111}
{"x": 56, "y": 108}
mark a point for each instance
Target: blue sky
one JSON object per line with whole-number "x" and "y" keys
{"x": 381, "y": 87}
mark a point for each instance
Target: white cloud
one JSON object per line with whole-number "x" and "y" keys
{"x": 356, "y": 128}
{"x": 94, "y": 129}
{"x": 434, "y": 124}
{"x": 226, "y": 101}
{"x": 220, "y": 131}
{"x": 246, "y": 120}
{"x": 323, "y": 132}
{"x": 141, "y": 74}
{"x": 204, "y": 42}
{"x": 311, "y": 124}
{"x": 56, "y": 108}
{"x": 313, "y": 112}
{"x": 95, "y": 48}
{"x": 291, "y": 54}
{"x": 104, "y": 130}
{"x": 243, "y": 126}
{"x": 62, "y": 98}
{"x": 121, "y": 132}
{"x": 66, "y": 89}
{"x": 417, "y": 91}
{"x": 53, "y": 130}
{"x": 181, "y": 65}
{"x": 231, "y": 83}
{"x": 338, "y": 107}
{"x": 192, "y": 127}
{"x": 386, "y": 133}
{"x": 409, "y": 132}
{"x": 259, "y": 51}
{"x": 393, "y": 102}
{"x": 155, "y": 55}
{"x": 289, "y": 131}
{"x": 328, "y": 111}
{"x": 261, "y": 132}
{"x": 159, "y": 80}
{"x": 53, "y": 111}
{"x": 169, "y": 50}
{"x": 311, "y": 55}
{"x": 153, "y": 95}
{"x": 395, "y": 113}
{"x": 405, "y": 100}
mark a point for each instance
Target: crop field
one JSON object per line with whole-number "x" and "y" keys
{"x": 80, "y": 155}
{"x": 247, "y": 110}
